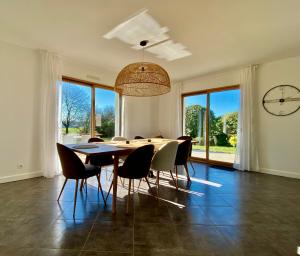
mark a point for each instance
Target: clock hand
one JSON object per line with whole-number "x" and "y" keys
{"x": 292, "y": 99}
{"x": 282, "y": 100}
{"x": 272, "y": 101}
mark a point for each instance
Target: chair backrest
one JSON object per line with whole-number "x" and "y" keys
{"x": 118, "y": 138}
{"x": 95, "y": 139}
{"x": 164, "y": 159}
{"x": 185, "y": 137}
{"x": 183, "y": 152}
{"x": 137, "y": 164}
{"x": 72, "y": 166}
{"x": 138, "y": 137}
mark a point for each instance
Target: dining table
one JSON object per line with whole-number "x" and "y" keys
{"x": 116, "y": 149}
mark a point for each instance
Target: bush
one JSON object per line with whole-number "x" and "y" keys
{"x": 222, "y": 139}
{"x": 233, "y": 140}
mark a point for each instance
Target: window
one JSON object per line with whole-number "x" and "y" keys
{"x": 87, "y": 110}
{"x": 210, "y": 117}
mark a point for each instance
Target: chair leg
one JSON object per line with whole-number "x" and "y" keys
{"x": 62, "y": 189}
{"x": 192, "y": 167}
{"x": 187, "y": 172}
{"x": 86, "y": 186}
{"x": 175, "y": 183}
{"x": 128, "y": 199}
{"x": 108, "y": 192}
{"x": 157, "y": 183}
{"x": 75, "y": 198}
{"x": 176, "y": 171}
{"x": 100, "y": 188}
{"x": 139, "y": 184}
{"x": 148, "y": 183}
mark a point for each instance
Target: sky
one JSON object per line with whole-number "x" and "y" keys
{"x": 220, "y": 102}
{"x": 103, "y": 97}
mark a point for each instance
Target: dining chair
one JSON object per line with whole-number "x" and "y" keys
{"x": 118, "y": 138}
{"x": 185, "y": 137}
{"x": 182, "y": 157}
{"x": 100, "y": 161}
{"x": 164, "y": 160}
{"x": 136, "y": 166}
{"x": 138, "y": 137}
{"x": 73, "y": 168}
{"x": 95, "y": 139}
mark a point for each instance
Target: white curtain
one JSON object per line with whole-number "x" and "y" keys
{"x": 51, "y": 78}
{"x": 176, "y": 108}
{"x": 246, "y": 157}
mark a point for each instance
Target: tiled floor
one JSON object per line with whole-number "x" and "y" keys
{"x": 220, "y": 213}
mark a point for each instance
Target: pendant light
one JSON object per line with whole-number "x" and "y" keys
{"x": 143, "y": 79}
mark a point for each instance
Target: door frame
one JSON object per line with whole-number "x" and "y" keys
{"x": 207, "y": 92}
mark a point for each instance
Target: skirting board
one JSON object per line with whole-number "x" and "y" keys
{"x": 22, "y": 176}
{"x": 294, "y": 175}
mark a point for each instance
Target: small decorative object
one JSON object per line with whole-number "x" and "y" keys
{"x": 127, "y": 142}
{"x": 149, "y": 140}
{"x": 143, "y": 79}
{"x": 282, "y": 100}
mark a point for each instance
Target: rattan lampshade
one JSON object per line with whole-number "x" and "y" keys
{"x": 143, "y": 79}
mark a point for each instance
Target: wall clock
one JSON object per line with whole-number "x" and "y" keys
{"x": 282, "y": 100}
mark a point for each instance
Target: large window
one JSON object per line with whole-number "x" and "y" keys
{"x": 87, "y": 110}
{"x": 210, "y": 117}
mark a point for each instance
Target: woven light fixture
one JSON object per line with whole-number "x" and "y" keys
{"x": 143, "y": 79}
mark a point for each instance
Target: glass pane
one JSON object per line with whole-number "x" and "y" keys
{"x": 76, "y": 113}
{"x": 105, "y": 113}
{"x": 194, "y": 123}
{"x": 224, "y": 108}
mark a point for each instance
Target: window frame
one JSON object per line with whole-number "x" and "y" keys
{"x": 93, "y": 86}
{"x": 207, "y": 92}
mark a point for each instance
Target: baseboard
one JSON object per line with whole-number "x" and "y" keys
{"x": 22, "y": 176}
{"x": 294, "y": 175}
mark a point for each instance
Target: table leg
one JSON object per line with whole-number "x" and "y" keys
{"x": 115, "y": 184}
{"x": 87, "y": 159}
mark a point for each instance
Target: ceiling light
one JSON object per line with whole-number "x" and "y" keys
{"x": 143, "y": 79}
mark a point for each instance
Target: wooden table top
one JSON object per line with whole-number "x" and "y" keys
{"x": 117, "y": 147}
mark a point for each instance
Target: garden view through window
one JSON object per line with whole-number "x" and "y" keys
{"x": 82, "y": 117}
{"x": 214, "y": 139}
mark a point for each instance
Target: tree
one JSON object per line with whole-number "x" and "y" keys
{"x": 231, "y": 123}
{"x": 193, "y": 115}
{"x": 107, "y": 127}
{"x": 75, "y": 105}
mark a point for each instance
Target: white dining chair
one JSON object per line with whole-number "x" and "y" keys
{"x": 118, "y": 138}
{"x": 164, "y": 160}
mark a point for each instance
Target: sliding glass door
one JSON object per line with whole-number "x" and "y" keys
{"x": 210, "y": 117}
{"x": 76, "y": 110}
{"x": 87, "y": 110}
{"x": 195, "y": 123}
{"x": 105, "y": 113}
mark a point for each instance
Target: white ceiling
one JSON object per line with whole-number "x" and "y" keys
{"x": 220, "y": 34}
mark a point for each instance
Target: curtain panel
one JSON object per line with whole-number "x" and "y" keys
{"x": 50, "y": 114}
{"x": 246, "y": 157}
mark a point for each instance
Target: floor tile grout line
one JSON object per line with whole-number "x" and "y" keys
{"x": 88, "y": 236}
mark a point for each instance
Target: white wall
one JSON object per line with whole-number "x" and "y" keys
{"x": 19, "y": 76}
{"x": 279, "y": 138}
{"x": 140, "y": 117}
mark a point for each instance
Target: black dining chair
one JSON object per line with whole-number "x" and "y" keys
{"x": 73, "y": 168}
{"x": 182, "y": 157}
{"x": 138, "y": 137}
{"x": 185, "y": 137}
{"x": 136, "y": 166}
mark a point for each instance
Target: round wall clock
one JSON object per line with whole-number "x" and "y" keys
{"x": 282, "y": 100}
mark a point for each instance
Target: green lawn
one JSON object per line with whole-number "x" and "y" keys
{"x": 230, "y": 150}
